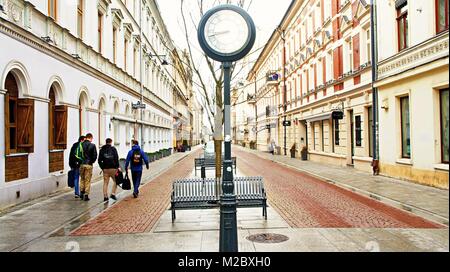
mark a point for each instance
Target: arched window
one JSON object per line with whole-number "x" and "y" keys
{"x": 19, "y": 119}
{"x": 83, "y": 104}
{"x": 19, "y": 130}
{"x": 101, "y": 122}
{"x": 116, "y": 125}
{"x": 57, "y": 122}
{"x": 57, "y": 132}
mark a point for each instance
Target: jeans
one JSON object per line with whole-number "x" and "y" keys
{"x": 77, "y": 180}
{"x": 136, "y": 176}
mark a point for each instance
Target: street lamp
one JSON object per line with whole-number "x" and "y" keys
{"x": 226, "y": 34}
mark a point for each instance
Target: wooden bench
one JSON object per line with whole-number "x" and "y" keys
{"x": 210, "y": 163}
{"x": 190, "y": 194}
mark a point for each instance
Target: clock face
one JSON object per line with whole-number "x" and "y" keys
{"x": 226, "y": 32}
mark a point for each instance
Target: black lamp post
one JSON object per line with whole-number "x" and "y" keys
{"x": 227, "y": 34}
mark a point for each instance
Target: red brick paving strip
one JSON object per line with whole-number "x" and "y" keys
{"x": 307, "y": 202}
{"x": 139, "y": 215}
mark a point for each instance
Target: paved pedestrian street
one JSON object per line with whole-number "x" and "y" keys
{"x": 313, "y": 214}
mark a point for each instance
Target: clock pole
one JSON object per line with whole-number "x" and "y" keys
{"x": 228, "y": 205}
{"x": 228, "y": 220}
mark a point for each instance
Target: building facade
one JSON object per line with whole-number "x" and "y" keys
{"x": 72, "y": 67}
{"x": 183, "y": 94}
{"x": 315, "y": 73}
{"x": 413, "y": 82}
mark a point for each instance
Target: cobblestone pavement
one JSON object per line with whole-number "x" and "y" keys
{"x": 307, "y": 202}
{"x": 424, "y": 201}
{"x": 60, "y": 213}
{"x": 139, "y": 215}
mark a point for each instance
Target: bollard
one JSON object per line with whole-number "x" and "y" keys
{"x": 203, "y": 172}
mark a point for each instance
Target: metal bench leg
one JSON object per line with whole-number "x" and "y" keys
{"x": 195, "y": 170}
{"x": 265, "y": 210}
{"x": 173, "y": 215}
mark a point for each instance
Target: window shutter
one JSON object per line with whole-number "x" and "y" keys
{"x": 61, "y": 127}
{"x": 336, "y": 63}
{"x": 7, "y": 143}
{"x": 25, "y": 125}
{"x": 341, "y": 62}
{"x": 356, "y": 52}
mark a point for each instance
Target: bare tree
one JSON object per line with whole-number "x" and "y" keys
{"x": 212, "y": 95}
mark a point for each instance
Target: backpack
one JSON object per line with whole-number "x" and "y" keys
{"x": 136, "y": 159}
{"x": 108, "y": 155}
{"x": 79, "y": 153}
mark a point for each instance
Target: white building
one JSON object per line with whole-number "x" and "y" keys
{"x": 72, "y": 67}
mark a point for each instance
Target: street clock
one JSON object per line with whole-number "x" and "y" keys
{"x": 226, "y": 33}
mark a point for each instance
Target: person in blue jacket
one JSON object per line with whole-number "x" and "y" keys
{"x": 136, "y": 158}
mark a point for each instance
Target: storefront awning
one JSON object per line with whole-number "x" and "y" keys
{"x": 321, "y": 117}
{"x": 324, "y": 116}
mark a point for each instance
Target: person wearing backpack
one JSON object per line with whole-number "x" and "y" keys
{"x": 108, "y": 160}
{"x": 86, "y": 169}
{"x": 75, "y": 160}
{"x": 136, "y": 158}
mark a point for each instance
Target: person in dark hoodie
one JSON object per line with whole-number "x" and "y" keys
{"x": 86, "y": 169}
{"x": 136, "y": 157}
{"x": 75, "y": 160}
{"x": 108, "y": 159}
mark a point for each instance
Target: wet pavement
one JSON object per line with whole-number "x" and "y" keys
{"x": 61, "y": 213}
{"x": 144, "y": 225}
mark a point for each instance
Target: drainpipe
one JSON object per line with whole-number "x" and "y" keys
{"x": 284, "y": 89}
{"x": 375, "y": 113}
{"x": 141, "y": 77}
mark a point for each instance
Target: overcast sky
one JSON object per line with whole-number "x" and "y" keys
{"x": 266, "y": 14}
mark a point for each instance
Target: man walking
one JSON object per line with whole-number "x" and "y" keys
{"x": 90, "y": 156}
{"x": 136, "y": 157}
{"x": 108, "y": 160}
{"x": 75, "y": 160}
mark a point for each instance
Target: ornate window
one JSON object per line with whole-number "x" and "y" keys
{"x": 441, "y": 15}
{"x": 402, "y": 24}
{"x": 80, "y": 13}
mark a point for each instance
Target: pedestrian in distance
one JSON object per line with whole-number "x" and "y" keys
{"x": 272, "y": 147}
{"x": 136, "y": 158}
{"x": 75, "y": 161}
{"x": 108, "y": 160}
{"x": 87, "y": 166}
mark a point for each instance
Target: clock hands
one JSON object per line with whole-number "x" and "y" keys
{"x": 219, "y": 33}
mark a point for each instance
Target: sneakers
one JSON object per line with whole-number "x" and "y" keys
{"x": 82, "y": 195}
{"x": 135, "y": 195}
{"x": 86, "y": 198}
{"x": 105, "y": 199}
{"x": 113, "y": 197}
{"x": 77, "y": 196}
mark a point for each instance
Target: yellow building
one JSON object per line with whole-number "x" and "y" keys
{"x": 324, "y": 89}
{"x": 413, "y": 85}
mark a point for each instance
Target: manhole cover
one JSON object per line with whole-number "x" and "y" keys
{"x": 268, "y": 238}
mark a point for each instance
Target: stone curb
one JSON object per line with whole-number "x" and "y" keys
{"x": 391, "y": 202}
